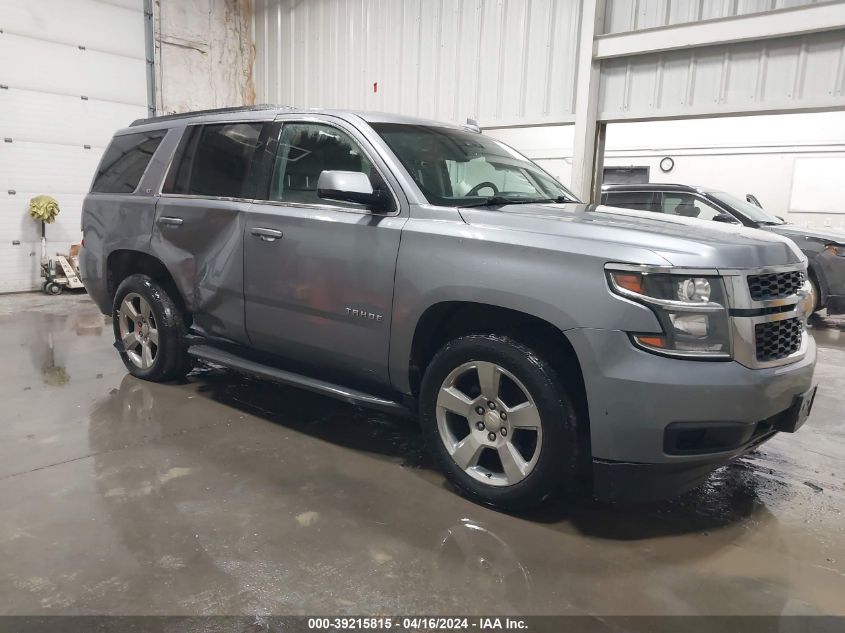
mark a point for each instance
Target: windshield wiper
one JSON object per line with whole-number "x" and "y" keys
{"x": 502, "y": 200}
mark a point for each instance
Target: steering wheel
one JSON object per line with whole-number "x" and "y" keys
{"x": 474, "y": 191}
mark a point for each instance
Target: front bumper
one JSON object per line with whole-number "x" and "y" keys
{"x": 633, "y": 396}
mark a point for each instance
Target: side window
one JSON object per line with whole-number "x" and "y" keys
{"x": 305, "y": 151}
{"x": 125, "y": 160}
{"x": 213, "y": 160}
{"x": 637, "y": 200}
{"x": 689, "y": 206}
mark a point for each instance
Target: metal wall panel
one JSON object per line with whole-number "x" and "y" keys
{"x": 44, "y": 75}
{"x": 500, "y": 61}
{"x": 29, "y": 115}
{"x": 623, "y": 16}
{"x": 791, "y": 73}
{"x": 69, "y": 71}
{"x": 78, "y": 23}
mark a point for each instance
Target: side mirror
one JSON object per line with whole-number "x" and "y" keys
{"x": 351, "y": 186}
{"x": 724, "y": 217}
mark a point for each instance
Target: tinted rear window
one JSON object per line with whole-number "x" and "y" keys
{"x": 213, "y": 160}
{"x": 125, "y": 160}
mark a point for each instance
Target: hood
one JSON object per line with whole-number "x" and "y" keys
{"x": 792, "y": 230}
{"x": 677, "y": 240}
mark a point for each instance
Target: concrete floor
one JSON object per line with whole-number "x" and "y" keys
{"x": 227, "y": 496}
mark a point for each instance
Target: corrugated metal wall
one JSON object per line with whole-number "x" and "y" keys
{"x": 634, "y": 15}
{"x": 792, "y": 73}
{"x": 500, "y": 61}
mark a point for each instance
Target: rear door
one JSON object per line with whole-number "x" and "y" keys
{"x": 198, "y": 231}
{"x": 318, "y": 274}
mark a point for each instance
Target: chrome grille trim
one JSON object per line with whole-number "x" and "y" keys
{"x": 744, "y": 328}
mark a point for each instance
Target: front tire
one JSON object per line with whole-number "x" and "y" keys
{"x": 499, "y": 421}
{"x": 149, "y": 330}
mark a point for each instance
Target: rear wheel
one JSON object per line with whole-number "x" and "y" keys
{"x": 149, "y": 330}
{"x": 499, "y": 420}
{"x": 52, "y": 288}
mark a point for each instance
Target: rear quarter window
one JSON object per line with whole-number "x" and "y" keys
{"x": 125, "y": 160}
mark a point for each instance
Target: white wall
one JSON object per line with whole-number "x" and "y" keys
{"x": 496, "y": 61}
{"x": 634, "y": 15}
{"x": 69, "y": 85}
{"x": 204, "y": 54}
{"x": 763, "y": 155}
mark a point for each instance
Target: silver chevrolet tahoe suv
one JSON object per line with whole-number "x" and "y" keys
{"x": 414, "y": 266}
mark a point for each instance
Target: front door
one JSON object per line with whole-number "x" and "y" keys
{"x": 318, "y": 274}
{"x": 198, "y": 231}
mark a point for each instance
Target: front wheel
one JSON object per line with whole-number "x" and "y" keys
{"x": 500, "y": 421}
{"x": 149, "y": 330}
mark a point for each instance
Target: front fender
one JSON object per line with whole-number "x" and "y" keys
{"x": 528, "y": 273}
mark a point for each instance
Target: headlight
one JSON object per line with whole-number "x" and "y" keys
{"x": 692, "y": 309}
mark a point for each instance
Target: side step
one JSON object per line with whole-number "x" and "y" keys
{"x": 351, "y": 396}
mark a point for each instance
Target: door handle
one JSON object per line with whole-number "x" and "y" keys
{"x": 169, "y": 221}
{"x": 267, "y": 235}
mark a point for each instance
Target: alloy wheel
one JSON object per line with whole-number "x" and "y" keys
{"x": 138, "y": 330}
{"x": 489, "y": 423}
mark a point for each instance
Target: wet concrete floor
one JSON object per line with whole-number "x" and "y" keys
{"x": 230, "y": 496}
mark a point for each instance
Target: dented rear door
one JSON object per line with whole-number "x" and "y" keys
{"x": 199, "y": 223}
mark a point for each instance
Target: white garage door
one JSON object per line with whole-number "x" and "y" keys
{"x": 71, "y": 73}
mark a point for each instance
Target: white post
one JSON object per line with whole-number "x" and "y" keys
{"x": 586, "y": 161}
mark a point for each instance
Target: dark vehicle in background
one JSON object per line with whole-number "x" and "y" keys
{"x": 824, "y": 249}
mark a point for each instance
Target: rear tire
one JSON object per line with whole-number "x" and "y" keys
{"x": 484, "y": 441}
{"x": 150, "y": 331}
{"x": 53, "y": 288}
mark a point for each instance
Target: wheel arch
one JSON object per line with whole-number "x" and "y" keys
{"x": 447, "y": 320}
{"x": 122, "y": 263}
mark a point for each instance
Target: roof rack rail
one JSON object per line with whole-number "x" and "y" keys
{"x": 185, "y": 115}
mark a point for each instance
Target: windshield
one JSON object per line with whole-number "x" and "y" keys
{"x": 751, "y": 211}
{"x": 456, "y": 168}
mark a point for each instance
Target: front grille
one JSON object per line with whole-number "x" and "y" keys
{"x": 777, "y": 339}
{"x": 775, "y": 285}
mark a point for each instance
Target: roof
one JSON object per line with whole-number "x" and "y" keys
{"x": 220, "y": 114}
{"x": 651, "y": 186}
{"x": 196, "y": 113}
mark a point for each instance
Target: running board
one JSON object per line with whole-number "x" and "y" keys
{"x": 240, "y": 364}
